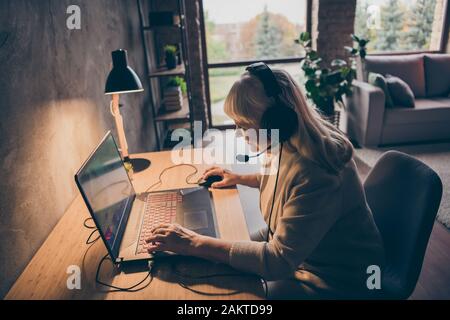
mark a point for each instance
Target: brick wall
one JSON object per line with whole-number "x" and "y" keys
{"x": 332, "y": 24}
{"x": 198, "y": 87}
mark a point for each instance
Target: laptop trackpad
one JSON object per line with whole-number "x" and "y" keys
{"x": 195, "y": 220}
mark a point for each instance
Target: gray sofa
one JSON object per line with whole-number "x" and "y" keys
{"x": 369, "y": 123}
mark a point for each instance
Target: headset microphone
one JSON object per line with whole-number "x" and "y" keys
{"x": 246, "y": 157}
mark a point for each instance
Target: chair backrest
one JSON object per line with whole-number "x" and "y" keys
{"x": 404, "y": 195}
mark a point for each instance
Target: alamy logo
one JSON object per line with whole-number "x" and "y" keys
{"x": 73, "y": 22}
{"x": 74, "y": 278}
{"x": 374, "y": 19}
{"x": 374, "y": 280}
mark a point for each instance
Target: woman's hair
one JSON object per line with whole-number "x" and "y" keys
{"x": 316, "y": 139}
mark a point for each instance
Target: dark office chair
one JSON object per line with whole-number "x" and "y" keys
{"x": 404, "y": 195}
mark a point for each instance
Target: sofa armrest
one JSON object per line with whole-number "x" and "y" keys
{"x": 365, "y": 112}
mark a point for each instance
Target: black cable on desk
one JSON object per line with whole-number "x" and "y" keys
{"x": 88, "y": 226}
{"x": 216, "y": 275}
{"x": 133, "y": 288}
{"x": 172, "y": 167}
{"x": 91, "y": 241}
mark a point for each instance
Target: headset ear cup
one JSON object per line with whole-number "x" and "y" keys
{"x": 282, "y": 118}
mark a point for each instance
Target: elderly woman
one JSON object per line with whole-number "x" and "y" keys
{"x": 320, "y": 236}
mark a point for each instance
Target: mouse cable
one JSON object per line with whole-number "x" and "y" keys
{"x": 217, "y": 275}
{"x": 85, "y": 223}
{"x": 94, "y": 229}
{"x": 172, "y": 167}
{"x": 133, "y": 288}
{"x": 89, "y": 240}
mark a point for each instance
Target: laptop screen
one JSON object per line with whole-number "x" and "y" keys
{"x": 107, "y": 191}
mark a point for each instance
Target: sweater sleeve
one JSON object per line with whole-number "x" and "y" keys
{"x": 311, "y": 209}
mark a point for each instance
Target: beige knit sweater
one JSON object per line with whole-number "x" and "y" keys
{"x": 324, "y": 233}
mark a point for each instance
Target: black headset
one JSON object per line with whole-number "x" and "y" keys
{"x": 279, "y": 115}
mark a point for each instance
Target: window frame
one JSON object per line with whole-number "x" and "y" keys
{"x": 207, "y": 66}
{"x": 442, "y": 41}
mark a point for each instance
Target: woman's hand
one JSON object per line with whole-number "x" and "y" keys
{"x": 229, "y": 179}
{"x": 177, "y": 239}
{"x": 174, "y": 238}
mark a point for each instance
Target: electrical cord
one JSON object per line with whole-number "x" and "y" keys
{"x": 91, "y": 241}
{"x": 172, "y": 167}
{"x": 94, "y": 229}
{"x": 269, "y": 229}
{"x": 88, "y": 226}
{"x": 133, "y": 288}
{"x": 216, "y": 275}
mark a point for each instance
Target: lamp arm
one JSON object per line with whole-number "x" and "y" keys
{"x": 114, "y": 108}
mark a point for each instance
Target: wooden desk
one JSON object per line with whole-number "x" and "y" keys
{"x": 46, "y": 275}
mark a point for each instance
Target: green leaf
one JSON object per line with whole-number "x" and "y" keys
{"x": 345, "y": 72}
{"x": 313, "y": 55}
{"x": 305, "y": 36}
{"x": 362, "y": 53}
{"x": 355, "y": 38}
{"x": 363, "y": 42}
{"x": 309, "y": 71}
{"x": 310, "y": 85}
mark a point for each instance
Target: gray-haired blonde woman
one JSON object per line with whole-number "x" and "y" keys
{"x": 321, "y": 236}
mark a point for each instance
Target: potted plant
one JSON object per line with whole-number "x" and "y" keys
{"x": 173, "y": 93}
{"x": 170, "y": 53}
{"x": 326, "y": 85}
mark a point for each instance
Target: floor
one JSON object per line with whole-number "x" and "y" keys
{"x": 434, "y": 280}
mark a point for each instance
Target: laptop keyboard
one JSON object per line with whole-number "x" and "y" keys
{"x": 159, "y": 208}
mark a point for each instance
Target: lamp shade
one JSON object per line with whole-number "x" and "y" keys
{"x": 122, "y": 79}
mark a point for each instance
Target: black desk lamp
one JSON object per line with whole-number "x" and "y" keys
{"x": 121, "y": 80}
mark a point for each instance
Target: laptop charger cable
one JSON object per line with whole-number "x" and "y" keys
{"x": 133, "y": 288}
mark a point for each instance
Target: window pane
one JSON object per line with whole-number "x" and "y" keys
{"x": 221, "y": 80}
{"x": 253, "y": 29}
{"x": 400, "y": 25}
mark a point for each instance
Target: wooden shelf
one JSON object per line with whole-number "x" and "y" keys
{"x": 175, "y": 116}
{"x": 178, "y": 71}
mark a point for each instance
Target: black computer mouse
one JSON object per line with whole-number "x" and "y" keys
{"x": 209, "y": 181}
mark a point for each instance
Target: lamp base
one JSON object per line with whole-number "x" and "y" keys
{"x": 140, "y": 164}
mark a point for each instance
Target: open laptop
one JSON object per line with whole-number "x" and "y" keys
{"x": 123, "y": 218}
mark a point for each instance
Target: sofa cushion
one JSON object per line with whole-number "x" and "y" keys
{"x": 400, "y": 92}
{"x": 409, "y": 68}
{"x": 425, "y": 111}
{"x": 379, "y": 81}
{"x": 437, "y": 74}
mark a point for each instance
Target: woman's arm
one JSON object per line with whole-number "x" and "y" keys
{"x": 231, "y": 179}
{"x": 175, "y": 238}
{"x": 308, "y": 214}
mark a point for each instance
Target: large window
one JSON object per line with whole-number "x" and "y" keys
{"x": 401, "y": 25}
{"x": 239, "y": 32}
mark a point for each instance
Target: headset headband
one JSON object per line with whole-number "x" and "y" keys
{"x": 266, "y": 76}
